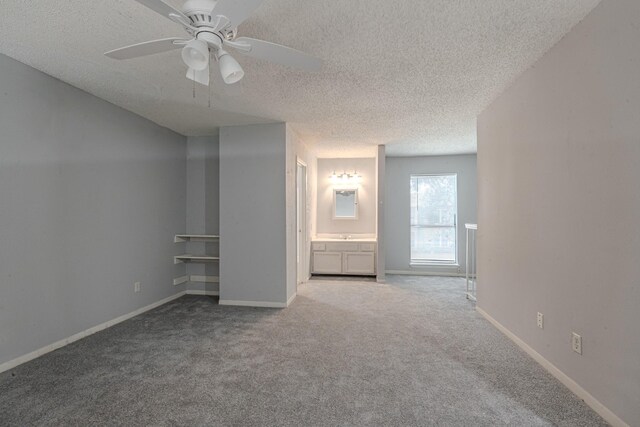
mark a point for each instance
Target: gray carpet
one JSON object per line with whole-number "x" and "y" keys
{"x": 411, "y": 352}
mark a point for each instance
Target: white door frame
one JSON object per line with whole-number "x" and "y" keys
{"x": 302, "y": 273}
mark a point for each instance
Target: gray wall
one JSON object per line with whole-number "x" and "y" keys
{"x": 381, "y": 179}
{"x": 91, "y": 196}
{"x": 203, "y": 204}
{"x": 398, "y": 213}
{"x": 366, "y": 222}
{"x": 559, "y": 191}
{"x": 253, "y": 217}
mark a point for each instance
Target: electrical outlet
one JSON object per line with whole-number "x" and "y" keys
{"x": 136, "y": 287}
{"x": 576, "y": 343}
{"x": 540, "y": 320}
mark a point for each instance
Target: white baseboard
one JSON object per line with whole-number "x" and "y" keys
{"x": 208, "y": 293}
{"x": 59, "y": 344}
{"x": 265, "y": 304}
{"x": 291, "y": 298}
{"x": 583, "y": 394}
{"x": 260, "y": 303}
{"x": 424, "y": 273}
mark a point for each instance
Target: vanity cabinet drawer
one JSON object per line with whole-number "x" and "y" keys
{"x": 319, "y": 246}
{"x": 367, "y": 247}
{"x": 342, "y": 247}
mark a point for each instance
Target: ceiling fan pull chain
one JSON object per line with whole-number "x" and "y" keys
{"x": 194, "y": 84}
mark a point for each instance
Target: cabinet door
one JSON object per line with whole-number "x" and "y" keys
{"x": 327, "y": 262}
{"x": 359, "y": 263}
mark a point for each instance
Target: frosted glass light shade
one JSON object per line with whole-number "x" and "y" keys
{"x": 196, "y": 55}
{"x": 231, "y": 71}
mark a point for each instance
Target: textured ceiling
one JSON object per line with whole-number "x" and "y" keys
{"x": 412, "y": 74}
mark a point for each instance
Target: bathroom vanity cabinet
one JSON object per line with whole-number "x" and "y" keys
{"x": 344, "y": 257}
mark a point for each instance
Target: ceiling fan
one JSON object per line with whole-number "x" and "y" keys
{"x": 212, "y": 26}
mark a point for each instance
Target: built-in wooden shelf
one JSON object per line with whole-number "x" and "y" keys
{"x": 194, "y": 258}
{"x": 195, "y": 238}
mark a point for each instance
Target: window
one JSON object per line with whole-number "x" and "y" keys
{"x": 434, "y": 208}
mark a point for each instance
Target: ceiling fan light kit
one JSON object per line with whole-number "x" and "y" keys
{"x": 196, "y": 54}
{"x": 212, "y": 25}
{"x": 230, "y": 70}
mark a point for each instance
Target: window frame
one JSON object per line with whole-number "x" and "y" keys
{"x": 429, "y": 262}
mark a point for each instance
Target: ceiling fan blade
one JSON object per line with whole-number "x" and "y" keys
{"x": 201, "y": 76}
{"x": 146, "y": 48}
{"x": 163, "y": 8}
{"x": 236, "y": 11}
{"x": 279, "y": 54}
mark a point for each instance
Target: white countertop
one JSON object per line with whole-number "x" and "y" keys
{"x": 360, "y": 240}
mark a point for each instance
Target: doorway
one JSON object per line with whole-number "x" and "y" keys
{"x": 301, "y": 223}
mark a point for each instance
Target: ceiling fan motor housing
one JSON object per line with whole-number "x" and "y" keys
{"x": 213, "y": 39}
{"x": 199, "y": 12}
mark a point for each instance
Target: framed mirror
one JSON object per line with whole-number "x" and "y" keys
{"x": 345, "y": 203}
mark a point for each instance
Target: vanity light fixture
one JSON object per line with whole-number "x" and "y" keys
{"x": 345, "y": 179}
